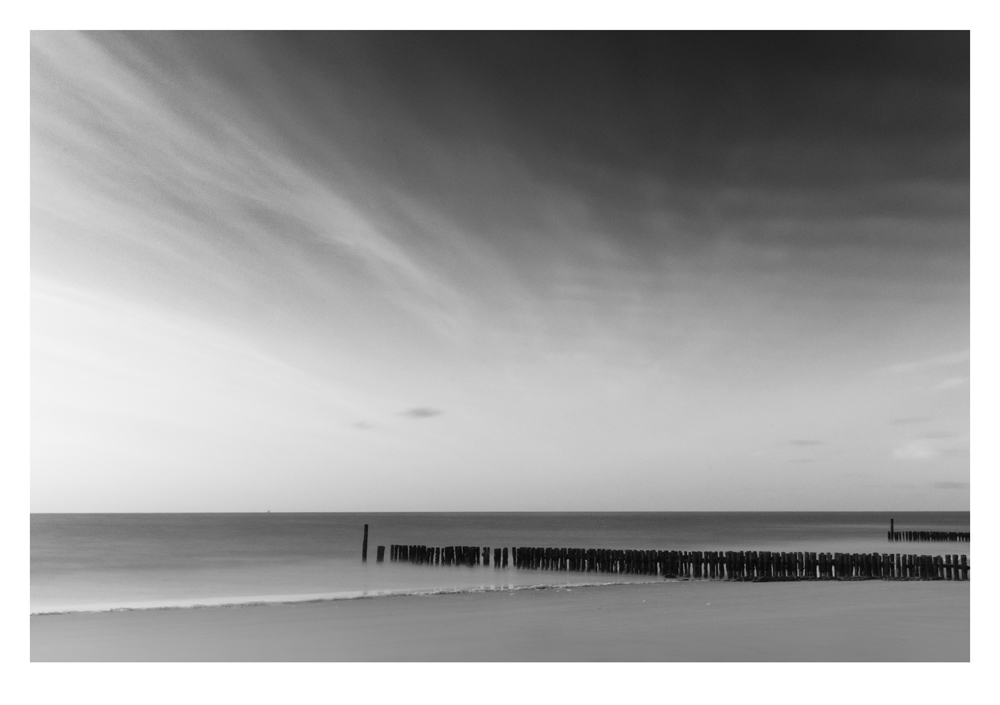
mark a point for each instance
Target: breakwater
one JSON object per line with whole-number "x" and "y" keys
{"x": 920, "y": 535}
{"x": 757, "y": 566}
{"x": 962, "y": 536}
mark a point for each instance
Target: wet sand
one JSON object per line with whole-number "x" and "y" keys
{"x": 683, "y": 621}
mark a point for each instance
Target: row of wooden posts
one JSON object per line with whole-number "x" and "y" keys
{"x": 718, "y": 565}
{"x": 448, "y": 555}
{"x": 963, "y": 536}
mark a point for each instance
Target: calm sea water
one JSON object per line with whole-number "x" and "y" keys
{"x": 82, "y": 562}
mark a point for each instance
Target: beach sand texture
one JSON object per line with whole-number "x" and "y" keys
{"x": 666, "y": 621}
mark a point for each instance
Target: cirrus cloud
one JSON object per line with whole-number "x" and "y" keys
{"x": 421, "y": 412}
{"x": 948, "y": 485}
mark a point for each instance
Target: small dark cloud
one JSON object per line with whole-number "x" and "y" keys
{"x": 947, "y": 485}
{"x": 421, "y": 412}
{"x": 805, "y": 443}
{"x": 909, "y": 420}
{"x": 363, "y": 425}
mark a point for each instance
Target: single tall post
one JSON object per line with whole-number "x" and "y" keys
{"x": 364, "y": 546}
{"x": 892, "y": 529}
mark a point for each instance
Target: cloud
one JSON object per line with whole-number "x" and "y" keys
{"x": 956, "y": 358}
{"x": 915, "y": 450}
{"x": 948, "y": 485}
{"x": 364, "y": 425}
{"x": 937, "y": 435}
{"x": 952, "y": 383}
{"x": 808, "y": 442}
{"x": 421, "y": 412}
{"x": 932, "y": 444}
{"x": 910, "y": 419}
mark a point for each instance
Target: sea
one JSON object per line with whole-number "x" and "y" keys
{"x": 118, "y": 562}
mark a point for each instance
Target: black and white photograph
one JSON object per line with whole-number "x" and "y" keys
{"x": 490, "y": 346}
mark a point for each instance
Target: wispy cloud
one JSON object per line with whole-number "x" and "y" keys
{"x": 956, "y": 452}
{"x": 952, "y": 383}
{"x": 230, "y": 208}
{"x": 948, "y": 485}
{"x": 806, "y": 442}
{"x": 421, "y": 412}
{"x": 955, "y": 358}
{"x": 915, "y": 450}
{"x": 937, "y": 435}
{"x": 910, "y": 420}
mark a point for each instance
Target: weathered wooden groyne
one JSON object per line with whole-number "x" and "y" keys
{"x": 448, "y": 555}
{"x": 962, "y": 536}
{"x": 758, "y": 566}
{"x": 919, "y": 535}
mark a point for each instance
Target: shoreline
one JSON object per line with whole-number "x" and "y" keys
{"x": 657, "y": 621}
{"x": 280, "y": 600}
{"x": 288, "y": 600}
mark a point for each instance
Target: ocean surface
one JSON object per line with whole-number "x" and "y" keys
{"x": 104, "y": 562}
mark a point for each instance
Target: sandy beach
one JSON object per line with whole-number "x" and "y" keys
{"x": 670, "y": 621}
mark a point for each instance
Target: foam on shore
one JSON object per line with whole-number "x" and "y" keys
{"x": 272, "y": 600}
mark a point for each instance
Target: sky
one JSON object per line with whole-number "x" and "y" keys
{"x": 499, "y": 271}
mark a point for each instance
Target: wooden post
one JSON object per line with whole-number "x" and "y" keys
{"x": 364, "y": 546}
{"x": 380, "y": 554}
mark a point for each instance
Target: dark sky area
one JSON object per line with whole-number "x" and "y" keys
{"x": 863, "y": 119}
